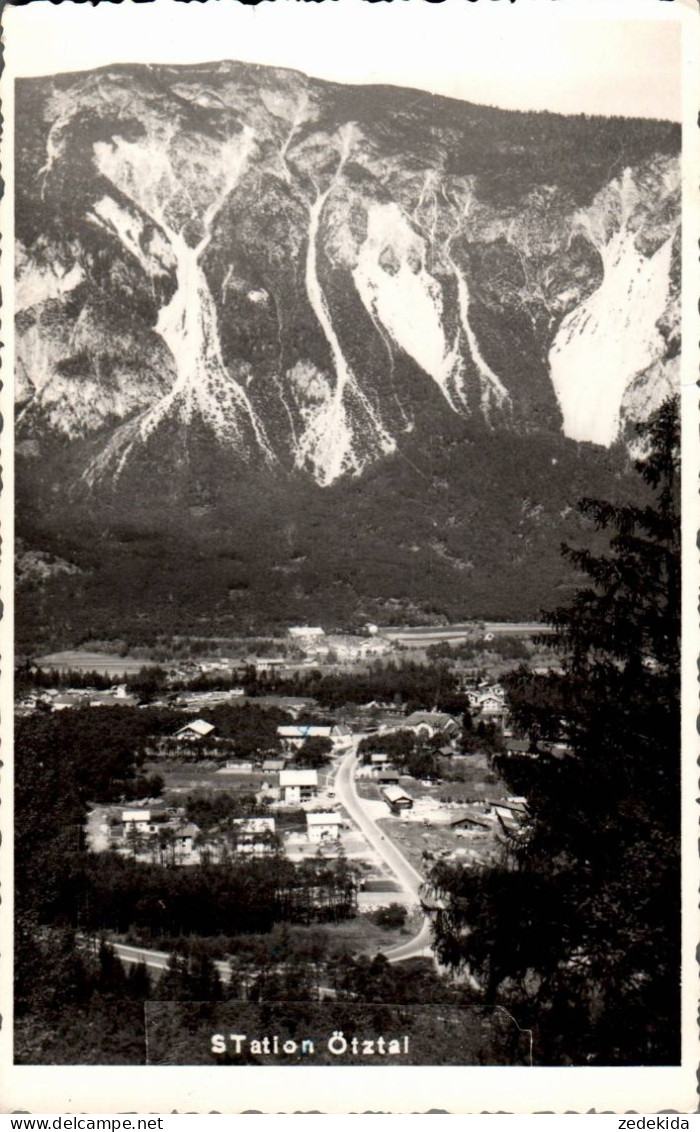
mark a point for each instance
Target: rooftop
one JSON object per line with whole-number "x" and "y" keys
{"x": 255, "y": 825}
{"x": 438, "y": 718}
{"x": 298, "y": 778}
{"x": 303, "y": 730}
{"x": 189, "y": 830}
{"x": 199, "y": 725}
{"x": 324, "y": 819}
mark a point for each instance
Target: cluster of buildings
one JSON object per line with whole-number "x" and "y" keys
{"x": 143, "y": 829}
{"x": 162, "y": 834}
{"x": 294, "y": 735}
{"x": 343, "y": 648}
{"x": 53, "y": 699}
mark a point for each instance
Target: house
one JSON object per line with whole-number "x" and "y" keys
{"x": 255, "y": 835}
{"x": 143, "y": 819}
{"x": 294, "y": 735}
{"x": 193, "y": 732}
{"x": 263, "y": 664}
{"x": 135, "y": 827}
{"x": 323, "y": 826}
{"x": 298, "y": 786}
{"x": 237, "y": 766}
{"x": 273, "y": 766}
{"x": 430, "y": 723}
{"x": 492, "y": 706}
{"x": 184, "y": 840}
{"x": 378, "y": 759}
{"x": 470, "y": 820}
{"x": 396, "y": 798}
{"x": 387, "y": 775}
{"x": 341, "y": 737}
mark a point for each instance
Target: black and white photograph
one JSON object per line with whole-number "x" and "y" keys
{"x": 345, "y": 490}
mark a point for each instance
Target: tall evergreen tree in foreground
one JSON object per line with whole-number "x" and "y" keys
{"x": 577, "y": 930}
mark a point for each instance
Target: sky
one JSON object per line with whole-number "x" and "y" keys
{"x": 571, "y": 56}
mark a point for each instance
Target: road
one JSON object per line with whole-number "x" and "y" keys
{"x": 158, "y": 960}
{"x": 410, "y": 880}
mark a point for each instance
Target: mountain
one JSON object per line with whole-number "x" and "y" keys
{"x": 251, "y": 304}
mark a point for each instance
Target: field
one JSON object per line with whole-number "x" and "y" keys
{"x": 109, "y": 664}
{"x": 181, "y": 779}
{"x": 426, "y": 835}
{"x": 416, "y": 838}
{"x": 362, "y": 935}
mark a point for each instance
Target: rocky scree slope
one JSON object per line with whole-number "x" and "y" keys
{"x": 231, "y": 276}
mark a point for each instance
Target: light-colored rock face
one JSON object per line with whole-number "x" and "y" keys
{"x": 243, "y": 254}
{"x": 608, "y": 343}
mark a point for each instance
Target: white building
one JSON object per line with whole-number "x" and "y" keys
{"x": 306, "y": 632}
{"x": 198, "y": 729}
{"x": 341, "y": 737}
{"x": 255, "y": 835}
{"x": 298, "y": 786}
{"x": 264, "y": 664}
{"x": 323, "y": 826}
{"x": 294, "y": 735}
{"x": 143, "y": 819}
{"x": 430, "y": 723}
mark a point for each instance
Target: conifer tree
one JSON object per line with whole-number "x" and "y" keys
{"x": 578, "y": 926}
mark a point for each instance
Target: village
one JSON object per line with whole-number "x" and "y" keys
{"x": 389, "y": 790}
{"x": 306, "y": 809}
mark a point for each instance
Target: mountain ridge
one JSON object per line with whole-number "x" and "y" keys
{"x": 227, "y": 273}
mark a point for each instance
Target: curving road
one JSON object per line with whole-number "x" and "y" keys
{"x": 158, "y": 960}
{"x": 410, "y": 880}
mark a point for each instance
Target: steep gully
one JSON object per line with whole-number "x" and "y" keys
{"x": 328, "y": 439}
{"x": 341, "y": 425}
{"x": 188, "y": 322}
{"x": 343, "y": 431}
